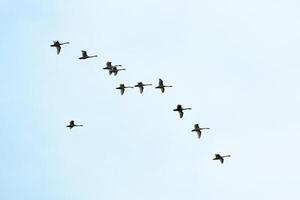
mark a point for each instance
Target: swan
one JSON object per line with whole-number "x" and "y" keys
{"x": 72, "y": 124}
{"x": 141, "y": 85}
{"x": 221, "y": 158}
{"x": 110, "y": 66}
{"x": 122, "y": 88}
{"x": 197, "y": 129}
{"x": 85, "y": 56}
{"x": 180, "y": 110}
{"x": 57, "y": 45}
{"x": 161, "y": 85}
{"x": 114, "y": 70}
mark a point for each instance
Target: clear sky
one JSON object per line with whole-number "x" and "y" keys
{"x": 234, "y": 62}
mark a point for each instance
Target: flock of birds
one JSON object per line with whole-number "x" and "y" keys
{"x": 114, "y": 69}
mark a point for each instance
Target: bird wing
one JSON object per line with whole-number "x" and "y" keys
{"x": 199, "y": 134}
{"x": 180, "y": 113}
{"x": 196, "y": 126}
{"x": 222, "y": 160}
{"x": 108, "y": 64}
{"x": 84, "y": 53}
{"x": 122, "y": 90}
{"x": 141, "y": 89}
{"x": 162, "y": 89}
{"x": 58, "y": 48}
{"x": 160, "y": 82}
{"x": 72, "y": 123}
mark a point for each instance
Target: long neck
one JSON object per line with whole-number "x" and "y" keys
{"x": 92, "y": 56}
{"x": 226, "y": 156}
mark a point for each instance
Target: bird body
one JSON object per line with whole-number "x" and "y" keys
{"x": 141, "y": 85}
{"x": 122, "y": 88}
{"x": 221, "y": 158}
{"x": 57, "y": 45}
{"x": 161, "y": 85}
{"x": 180, "y": 110}
{"x": 84, "y": 55}
{"x": 197, "y": 129}
{"x": 110, "y": 66}
{"x": 114, "y": 70}
{"x": 72, "y": 124}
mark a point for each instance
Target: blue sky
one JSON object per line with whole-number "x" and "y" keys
{"x": 234, "y": 62}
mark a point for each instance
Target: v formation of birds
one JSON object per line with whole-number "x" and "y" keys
{"x": 113, "y": 70}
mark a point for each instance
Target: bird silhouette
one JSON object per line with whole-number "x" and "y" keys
{"x": 57, "y": 45}
{"x": 161, "y": 85}
{"x": 180, "y": 110}
{"x": 197, "y": 129}
{"x": 72, "y": 124}
{"x": 85, "y": 56}
{"x": 141, "y": 86}
{"x": 221, "y": 158}
{"x": 110, "y": 66}
{"x": 114, "y": 70}
{"x": 122, "y": 88}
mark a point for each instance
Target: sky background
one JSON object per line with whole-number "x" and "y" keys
{"x": 234, "y": 62}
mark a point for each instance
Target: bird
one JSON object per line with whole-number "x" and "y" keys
{"x": 141, "y": 85}
{"x": 221, "y": 158}
{"x": 198, "y": 130}
{"x": 122, "y": 88}
{"x": 57, "y": 45}
{"x": 72, "y": 124}
{"x": 114, "y": 70}
{"x": 85, "y": 56}
{"x": 180, "y": 110}
{"x": 161, "y": 85}
{"x": 110, "y": 66}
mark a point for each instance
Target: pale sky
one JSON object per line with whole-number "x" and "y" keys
{"x": 234, "y": 62}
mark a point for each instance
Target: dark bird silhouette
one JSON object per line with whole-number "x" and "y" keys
{"x": 85, "y": 56}
{"x": 110, "y": 66}
{"x": 122, "y": 88}
{"x": 114, "y": 70}
{"x": 221, "y": 158}
{"x": 141, "y": 86}
{"x": 198, "y": 130}
{"x": 72, "y": 124}
{"x": 180, "y": 110}
{"x": 161, "y": 85}
{"x": 57, "y": 45}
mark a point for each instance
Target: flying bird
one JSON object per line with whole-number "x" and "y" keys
{"x": 141, "y": 85}
{"x": 198, "y": 130}
{"x": 221, "y": 158}
{"x": 57, "y": 45}
{"x": 85, "y": 56}
{"x": 161, "y": 85}
{"x": 122, "y": 88}
{"x": 114, "y": 70}
{"x": 72, "y": 124}
{"x": 110, "y": 66}
{"x": 180, "y": 110}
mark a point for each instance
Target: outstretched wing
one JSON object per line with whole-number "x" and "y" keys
{"x": 180, "y": 113}
{"x": 141, "y": 89}
{"x": 122, "y": 90}
{"x": 84, "y": 53}
{"x": 58, "y": 48}
{"x": 222, "y": 160}
{"x": 72, "y": 123}
{"x": 162, "y": 89}
{"x": 160, "y": 82}
{"x": 196, "y": 126}
{"x": 199, "y": 134}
